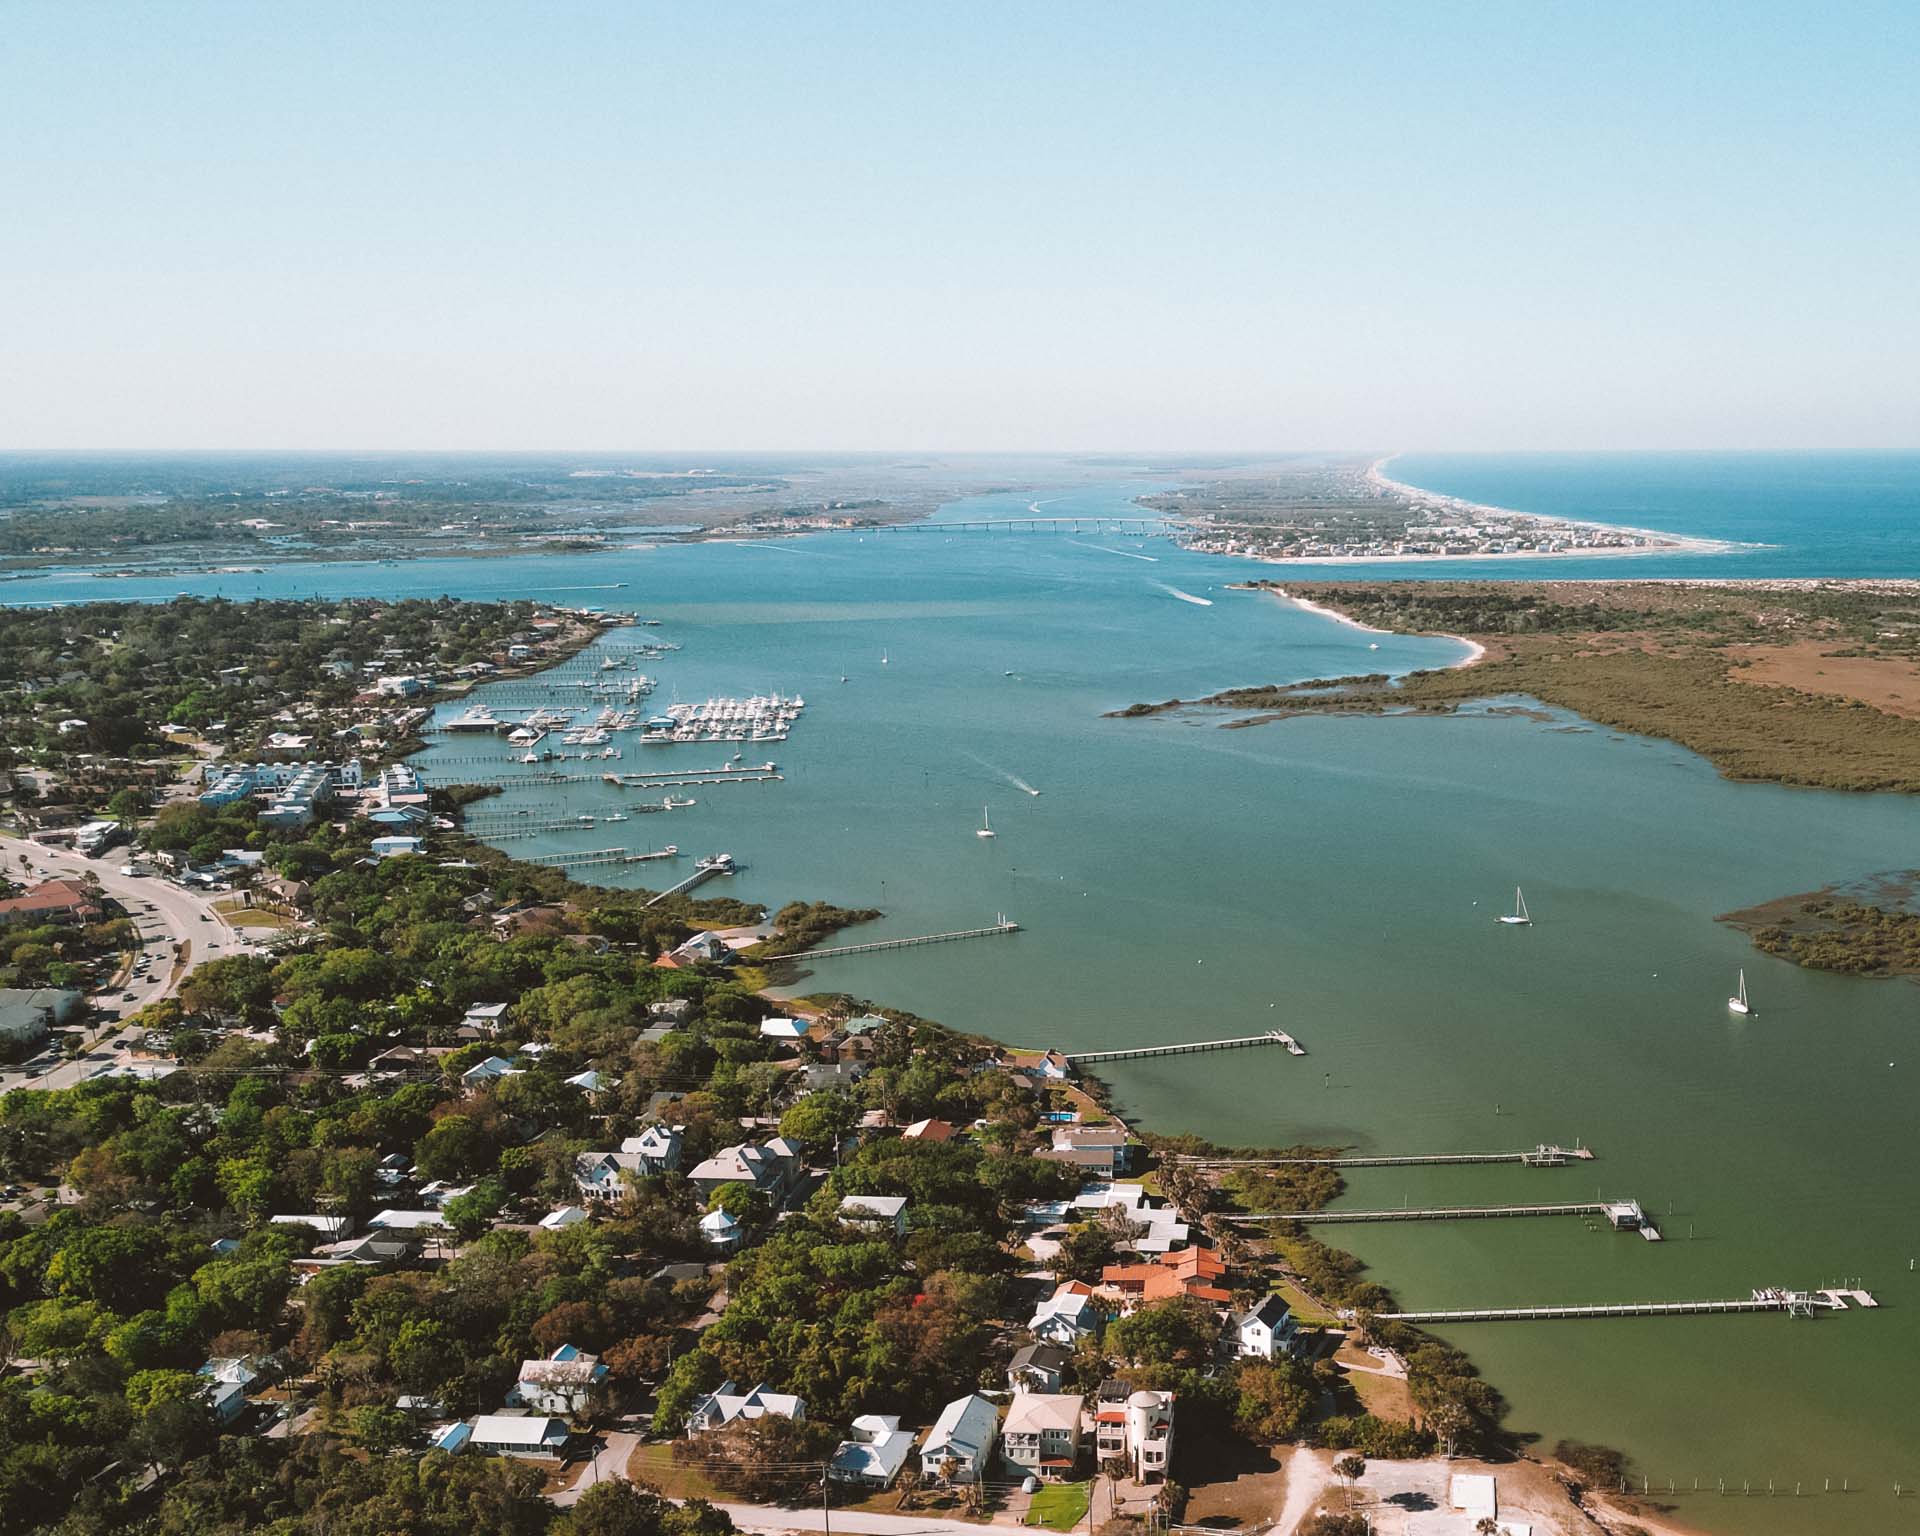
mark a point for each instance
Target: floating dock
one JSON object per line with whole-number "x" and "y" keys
{"x": 1542, "y": 1156}
{"x": 1238, "y": 1042}
{"x": 1004, "y": 926}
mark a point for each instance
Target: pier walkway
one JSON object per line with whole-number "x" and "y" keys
{"x": 707, "y": 869}
{"x": 1542, "y": 1156}
{"x": 1626, "y": 1214}
{"x": 1238, "y": 1042}
{"x": 599, "y": 856}
{"x": 1004, "y": 926}
{"x": 1793, "y": 1303}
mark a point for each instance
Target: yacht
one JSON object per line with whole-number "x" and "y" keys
{"x": 1738, "y": 1002}
{"x": 1518, "y": 917}
{"x": 986, "y": 827}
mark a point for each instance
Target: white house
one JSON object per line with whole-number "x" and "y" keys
{"x": 875, "y": 1454}
{"x": 1266, "y": 1331}
{"x": 603, "y": 1175}
{"x": 227, "y": 1380}
{"x": 1136, "y": 1425}
{"x": 783, "y": 1029}
{"x": 960, "y": 1443}
{"x": 1042, "y": 1433}
{"x": 514, "y": 1434}
{"x": 560, "y": 1384}
{"x": 721, "y": 1231}
{"x": 876, "y": 1212}
{"x": 724, "y": 1406}
{"x": 1065, "y": 1317}
{"x": 331, "y": 1229}
{"x": 565, "y": 1216}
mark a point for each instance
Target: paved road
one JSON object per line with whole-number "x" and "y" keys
{"x": 179, "y": 916}
{"x": 607, "y": 1467}
{"x": 771, "y": 1522}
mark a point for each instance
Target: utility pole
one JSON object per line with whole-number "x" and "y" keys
{"x": 826, "y": 1519}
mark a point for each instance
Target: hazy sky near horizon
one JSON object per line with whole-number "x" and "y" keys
{"x": 904, "y": 225}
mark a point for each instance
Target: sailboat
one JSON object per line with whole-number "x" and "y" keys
{"x": 1518, "y": 917}
{"x": 883, "y": 658}
{"x": 1738, "y": 1002}
{"x": 986, "y": 827}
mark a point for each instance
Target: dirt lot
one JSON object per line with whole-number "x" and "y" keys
{"x": 1886, "y": 683}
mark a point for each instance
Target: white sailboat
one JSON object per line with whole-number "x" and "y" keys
{"x": 883, "y": 658}
{"x": 1518, "y": 917}
{"x": 1738, "y": 1002}
{"x": 986, "y": 827}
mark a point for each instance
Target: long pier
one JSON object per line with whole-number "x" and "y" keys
{"x": 699, "y": 877}
{"x": 1004, "y": 926}
{"x": 1625, "y": 1213}
{"x": 599, "y": 856}
{"x": 1793, "y": 1303}
{"x": 1238, "y": 1042}
{"x": 623, "y": 780}
{"x": 1542, "y": 1156}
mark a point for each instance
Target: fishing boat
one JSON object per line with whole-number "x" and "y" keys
{"x": 1518, "y": 917}
{"x": 1738, "y": 1002}
{"x": 986, "y": 827}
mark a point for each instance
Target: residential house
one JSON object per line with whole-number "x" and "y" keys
{"x": 724, "y": 1406}
{"x": 701, "y": 949}
{"x": 604, "y": 1175}
{"x": 227, "y": 1380}
{"x": 562, "y": 1383}
{"x": 1041, "y": 1435}
{"x": 722, "y": 1232}
{"x": 1135, "y": 1425}
{"x": 1053, "y": 1068}
{"x": 1065, "y": 1317}
{"x": 783, "y": 1029}
{"x": 772, "y": 1169}
{"x": 928, "y": 1130}
{"x": 1109, "y": 1142}
{"x": 562, "y": 1217}
{"x": 959, "y": 1447}
{"x": 876, "y": 1212}
{"x": 483, "y": 1072}
{"x": 874, "y": 1455}
{"x": 330, "y": 1228}
{"x": 1184, "y": 1272}
{"x": 485, "y": 1018}
{"x": 1265, "y": 1331}
{"x": 1039, "y": 1368}
{"x": 514, "y": 1434}
{"x": 398, "y": 1058}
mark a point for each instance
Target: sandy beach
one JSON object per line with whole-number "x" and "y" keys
{"x": 1475, "y": 650}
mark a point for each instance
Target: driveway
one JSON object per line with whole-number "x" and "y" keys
{"x": 610, "y": 1465}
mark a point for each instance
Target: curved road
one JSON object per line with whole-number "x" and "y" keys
{"x": 178, "y": 916}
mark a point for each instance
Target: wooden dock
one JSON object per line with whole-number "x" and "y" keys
{"x": 699, "y": 877}
{"x": 1238, "y": 1042}
{"x": 1625, "y": 1214}
{"x": 594, "y": 856}
{"x": 1793, "y": 1303}
{"x": 1542, "y": 1156}
{"x": 1004, "y": 926}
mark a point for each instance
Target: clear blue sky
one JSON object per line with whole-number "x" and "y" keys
{"x": 837, "y": 225}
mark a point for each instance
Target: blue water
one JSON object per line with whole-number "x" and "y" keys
{"x": 1800, "y": 514}
{"x": 1337, "y": 875}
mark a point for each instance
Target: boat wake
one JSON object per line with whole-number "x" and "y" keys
{"x": 1012, "y": 778}
{"x": 1185, "y": 597}
{"x": 1124, "y": 554}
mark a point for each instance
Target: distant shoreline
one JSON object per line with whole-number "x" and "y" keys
{"x": 1670, "y": 543}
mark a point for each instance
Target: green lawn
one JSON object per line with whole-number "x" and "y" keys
{"x": 1059, "y": 1506}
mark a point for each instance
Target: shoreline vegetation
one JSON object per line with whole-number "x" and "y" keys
{"x": 1847, "y": 931}
{"x": 1810, "y": 683}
